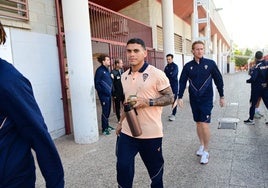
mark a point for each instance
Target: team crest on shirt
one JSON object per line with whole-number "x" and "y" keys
{"x": 206, "y": 66}
{"x": 191, "y": 67}
{"x": 145, "y": 76}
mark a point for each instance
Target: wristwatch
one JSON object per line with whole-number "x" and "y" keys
{"x": 151, "y": 102}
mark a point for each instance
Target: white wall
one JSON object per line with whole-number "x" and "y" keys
{"x": 35, "y": 55}
{"x": 5, "y": 50}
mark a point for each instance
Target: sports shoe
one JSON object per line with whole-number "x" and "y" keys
{"x": 106, "y": 132}
{"x": 110, "y": 128}
{"x": 249, "y": 122}
{"x": 172, "y": 118}
{"x": 266, "y": 123}
{"x": 260, "y": 114}
{"x": 257, "y": 116}
{"x": 200, "y": 151}
{"x": 204, "y": 158}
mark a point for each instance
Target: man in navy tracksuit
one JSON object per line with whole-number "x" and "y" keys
{"x": 171, "y": 71}
{"x": 200, "y": 72}
{"x": 258, "y": 80}
{"x": 22, "y": 129}
{"x": 103, "y": 84}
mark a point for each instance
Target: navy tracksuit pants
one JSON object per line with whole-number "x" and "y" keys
{"x": 255, "y": 94}
{"x": 150, "y": 151}
{"x": 106, "y": 103}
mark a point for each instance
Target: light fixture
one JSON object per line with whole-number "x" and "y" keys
{"x": 218, "y": 9}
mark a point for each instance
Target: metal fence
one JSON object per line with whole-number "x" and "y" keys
{"x": 116, "y": 29}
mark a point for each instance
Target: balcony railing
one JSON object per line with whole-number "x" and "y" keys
{"x": 14, "y": 9}
{"x": 107, "y": 25}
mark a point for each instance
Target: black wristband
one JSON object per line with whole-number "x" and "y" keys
{"x": 151, "y": 102}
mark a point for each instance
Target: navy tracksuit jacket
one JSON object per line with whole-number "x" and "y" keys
{"x": 104, "y": 84}
{"x": 23, "y": 131}
{"x": 258, "y": 80}
{"x": 200, "y": 78}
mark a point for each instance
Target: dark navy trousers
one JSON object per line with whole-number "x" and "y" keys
{"x": 174, "y": 111}
{"x": 255, "y": 94}
{"x": 150, "y": 151}
{"x": 106, "y": 103}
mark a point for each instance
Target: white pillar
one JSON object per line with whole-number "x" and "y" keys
{"x": 80, "y": 68}
{"x": 214, "y": 44}
{"x": 207, "y": 41}
{"x": 168, "y": 26}
{"x": 194, "y": 27}
{"x": 219, "y": 61}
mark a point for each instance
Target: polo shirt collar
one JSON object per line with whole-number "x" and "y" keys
{"x": 142, "y": 69}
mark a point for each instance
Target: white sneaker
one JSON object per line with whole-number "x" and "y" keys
{"x": 200, "y": 151}
{"x": 172, "y": 118}
{"x": 257, "y": 116}
{"x": 260, "y": 114}
{"x": 204, "y": 158}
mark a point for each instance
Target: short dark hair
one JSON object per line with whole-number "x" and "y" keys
{"x": 258, "y": 55}
{"x": 137, "y": 41}
{"x": 116, "y": 61}
{"x": 169, "y": 55}
{"x": 102, "y": 57}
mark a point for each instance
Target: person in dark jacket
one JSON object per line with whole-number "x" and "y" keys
{"x": 257, "y": 114}
{"x": 23, "y": 130}
{"x": 118, "y": 93}
{"x": 258, "y": 80}
{"x": 103, "y": 85}
{"x": 171, "y": 70}
{"x": 200, "y": 72}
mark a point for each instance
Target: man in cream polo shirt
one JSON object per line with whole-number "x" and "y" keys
{"x": 153, "y": 91}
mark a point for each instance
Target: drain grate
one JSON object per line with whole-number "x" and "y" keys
{"x": 228, "y": 123}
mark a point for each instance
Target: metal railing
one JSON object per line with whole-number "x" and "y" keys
{"x": 14, "y": 9}
{"x": 107, "y": 25}
{"x": 116, "y": 29}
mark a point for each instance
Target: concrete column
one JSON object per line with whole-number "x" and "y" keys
{"x": 219, "y": 61}
{"x": 214, "y": 44}
{"x": 80, "y": 68}
{"x": 168, "y": 26}
{"x": 207, "y": 42}
{"x": 194, "y": 27}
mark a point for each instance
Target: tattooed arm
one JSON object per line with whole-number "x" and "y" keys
{"x": 166, "y": 99}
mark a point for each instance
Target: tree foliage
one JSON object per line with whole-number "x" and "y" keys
{"x": 241, "y": 57}
{"x": 241, "y": 61}
{"x": 248, "y": 52}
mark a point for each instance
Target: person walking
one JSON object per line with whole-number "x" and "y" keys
{"x": 200, "y": 72}
{"x": 257, "y": 114}
{"x": 171, "y": 70}
{"x": 22, "y": 132}
{"x": 118, "y": 94}
{"x": 152, "y": 91}
{"x": 103, "y": 85}
{"x": 259, "y": 89}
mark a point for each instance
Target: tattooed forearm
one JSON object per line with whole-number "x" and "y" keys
{"x": 166, "y": 98}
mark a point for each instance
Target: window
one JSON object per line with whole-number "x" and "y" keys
{"x": 15, "y": 9}
{"x": 160, "y": 45}
{"x": 188, "y": 46}
{"x": 178, "y": 43}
